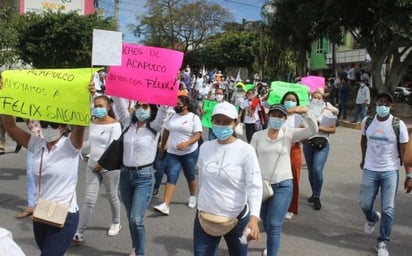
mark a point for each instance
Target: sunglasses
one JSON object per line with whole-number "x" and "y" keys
{"x": 45, "y": 124}
{"x": 144, "y": 106}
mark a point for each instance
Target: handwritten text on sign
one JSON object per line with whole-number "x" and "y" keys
{"x": 278, "y": 89}
{"x": 147, "y": 74}
{"x": 56, "y": 95}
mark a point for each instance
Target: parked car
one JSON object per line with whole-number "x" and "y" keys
{"x": 402, "y": 94}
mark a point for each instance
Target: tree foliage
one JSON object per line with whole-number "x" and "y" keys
{"x": 180, "y": 24}
{"x": 383, "y": 27}
{"x": 55, "y": 40}
{"x": 9, "y": 35}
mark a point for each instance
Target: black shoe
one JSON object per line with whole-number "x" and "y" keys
{"x": 316, "y": 203}
{"x": 310, "y": 199}
{"x": 155, "y": 191}
{"x": 18, "y": 148}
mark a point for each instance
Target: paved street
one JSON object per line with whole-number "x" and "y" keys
{"x": 336, "y": 230}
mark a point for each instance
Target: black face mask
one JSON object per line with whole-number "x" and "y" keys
{"x": 263, "y": 91}
{"x": 179, "y": 109}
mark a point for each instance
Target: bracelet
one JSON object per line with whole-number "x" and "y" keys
{"x": 409, "y": 176}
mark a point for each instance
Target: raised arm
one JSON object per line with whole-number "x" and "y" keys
{"x": 16, "y": 133}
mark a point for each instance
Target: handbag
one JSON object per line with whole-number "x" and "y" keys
{"x": 112, "y": 158}
{"x": 216, "y": 225}
{"x": 267, "y": 190}
{"x": 318, "y": 143}
{"x": 47, "y": 211}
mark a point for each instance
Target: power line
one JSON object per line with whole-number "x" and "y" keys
{"x": 241, "y": 3}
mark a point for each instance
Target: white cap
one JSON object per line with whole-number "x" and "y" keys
{"x": 225, "y": 108}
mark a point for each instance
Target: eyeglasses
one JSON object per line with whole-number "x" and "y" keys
{"x": 386, "y": 104}
{"x": 144, "y": 106}
{"x": 45, "y": 124}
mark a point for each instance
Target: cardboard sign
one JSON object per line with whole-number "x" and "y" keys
{"x": 107, "y": 47}
{"x": 278, "y": 89}
{"x": 56, "y": 95}
{"x": 147, "y": 74}
{"x": 208, "y": 106}
{"x": 314, "y": 82}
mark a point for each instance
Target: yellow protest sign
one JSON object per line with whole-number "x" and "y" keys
{"x": 55, "y": 95}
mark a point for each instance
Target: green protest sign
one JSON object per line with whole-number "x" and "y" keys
{"x": 278, "y": 89}
{"x": 56, "y": 95}
{"x": 249, "y": 87}
{"x": 208, "y": 106}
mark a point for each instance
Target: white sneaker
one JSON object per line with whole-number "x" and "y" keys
{"x": 132, "y": 253}
{"x": 289, "y": 215}
{"x": 162, "y": 208}
{"x": 381, "y": 249}
{"x": 265, "y": 252}
{"x": 114, "y": 229}
{"x": 78, "y": 238}
{"x": 192, "y": 202}
{"x": 369, "y": 227}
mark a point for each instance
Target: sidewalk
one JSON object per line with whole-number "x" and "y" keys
{"x": 401, "y": 110}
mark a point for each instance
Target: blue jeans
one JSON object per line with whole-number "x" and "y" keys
{"x": 315, "y": 160}
{"x": 136, "y": 188}
{"x": 30, "y": 185}
{"x": 160, "y": 166}
{"x": 387, "y": 181}
{"x": 343, "y": 108}
{"x": 53, "y": 241}
{"x": 206, "y": 245}
{"x": 360, "y": 109}
{"x": 273, "y": 213}
{"x": 174, "y": 163}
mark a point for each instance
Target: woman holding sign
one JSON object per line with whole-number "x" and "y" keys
{"x": 137, "y": 174}
{"x": 316, "y": 149}
{"x": 55, "y": 167}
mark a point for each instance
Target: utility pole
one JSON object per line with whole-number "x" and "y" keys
{"x": 116, "y": 13}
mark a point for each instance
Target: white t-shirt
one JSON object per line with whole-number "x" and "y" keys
{"x": 181, "y": 129}
{"x": 100, "y": 137}
{"x": 382, "y": 147}
{"x": 250, "y": 117}
{"x": 229, "y": 177}
{"x": 363, "y": 95}
{"x": 59, "y": 170}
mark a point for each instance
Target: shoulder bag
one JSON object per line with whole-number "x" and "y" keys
{"x": 48, "y": 211}
{"x": 112, "y": 157}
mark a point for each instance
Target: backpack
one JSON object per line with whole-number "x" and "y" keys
{"x": 395, "y": 127}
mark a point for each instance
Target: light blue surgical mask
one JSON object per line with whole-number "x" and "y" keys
{"x": 289, "y": 104}
{"x": 99, "y": 112}
{"x": 142, "y": 114}
{"x": 222, "y": 132}
{"x": 275, "y": 122}
{"x": 383, "y": 111}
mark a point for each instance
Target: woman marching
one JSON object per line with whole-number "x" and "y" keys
{"x": 273, "y": 146}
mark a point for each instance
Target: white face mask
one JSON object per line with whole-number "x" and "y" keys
{"x": 219, "y": 97}
{"x": 51, "y": 134}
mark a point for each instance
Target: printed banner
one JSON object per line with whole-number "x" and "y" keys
{"x": 278, "y": 89}
{"x": 107, "y": 48}
{"x": 55, "y": 95}
{"x": 208, "y": 106}
{"x": 314, "y": 82}
{"x": 147, "y": 74}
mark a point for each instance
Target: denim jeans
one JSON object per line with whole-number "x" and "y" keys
{"x": 174, "y": 163}
{"x": 206, "y": 245}
{"x": 160, "y": 166}
{"x": 343, "y": 108}
{"x": 110, "y": 179}
{"x": 315, "y": 160}
{"x": 53, "y": 241}
{"x": 360, "y": 109}
{"x": 387, "y": 181}
{"x": 136, "y": 188}
{"x": 30, "y": 185}
{"x": 273, "y": 213}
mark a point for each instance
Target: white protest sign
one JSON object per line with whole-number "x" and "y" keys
{"x": 107, "y": 48}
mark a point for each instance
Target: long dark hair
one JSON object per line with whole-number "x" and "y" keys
{"x": 153, "y": 113}
{"x": 187, "y": 102}
{"x": 287, "y": 94}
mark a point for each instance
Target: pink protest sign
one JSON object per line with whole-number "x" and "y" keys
{"x": 314, "y": 82}
{"x": 147, "y": 74}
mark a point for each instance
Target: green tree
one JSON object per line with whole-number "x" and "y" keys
{"x": 56, "y": 40}
{"x": 180, "y": 24}
{"x": 9, "y": 35}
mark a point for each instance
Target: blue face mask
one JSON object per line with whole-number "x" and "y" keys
{"x": 222, "y": 132}
{"x": 275, "y": 123}
{"x": 289, "y": 104}
{"x": 141, "y": 114}
{"x": 99, "y": 112}
{"x": 382, "y": 111}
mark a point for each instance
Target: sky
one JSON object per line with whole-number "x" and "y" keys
{"x": 241, "y": 9}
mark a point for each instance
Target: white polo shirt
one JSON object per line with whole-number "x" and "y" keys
{"x": 59, "y": 170}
